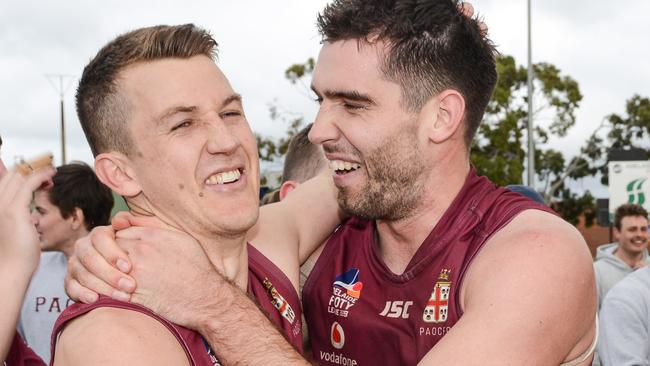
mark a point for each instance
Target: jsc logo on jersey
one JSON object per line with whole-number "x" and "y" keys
{"x": 396, "y": 309}
{"x": 346, "y": 290}
{"x": 437, "y": 307}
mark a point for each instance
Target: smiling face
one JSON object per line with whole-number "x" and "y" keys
{"x": 633, "y": 235}
{"x": 195, "y": 157}
{"x": 372, "y": 143}
{"x": 55, "y": 232}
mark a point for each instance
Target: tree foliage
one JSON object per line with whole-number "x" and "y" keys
{"x": 271, "y": 148}
{"x": 499, "y": 147}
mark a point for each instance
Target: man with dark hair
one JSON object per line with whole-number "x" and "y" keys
{"x": 436, "y": 256}
{"x": 186, "y": 162}
{"x": 19, "y": 255}
{"x": 434, "y": 250}
{"x": 75, "y": 204}
{"x": 616, "y": 260}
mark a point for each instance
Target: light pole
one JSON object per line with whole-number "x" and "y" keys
{"x": 61, "y": 91}
{"x": 531, "y": 143}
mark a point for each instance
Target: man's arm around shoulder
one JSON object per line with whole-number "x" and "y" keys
{"x": 111, "y": 336}
{"x": 299, "y": 224}
{"x": 529, "y": 298}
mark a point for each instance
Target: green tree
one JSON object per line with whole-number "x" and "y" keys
{"x": 629, "y": 130}
{"x": 272, "y": 149}
{"x": 499, "y": 147}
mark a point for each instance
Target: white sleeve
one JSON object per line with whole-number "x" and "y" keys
{"x": 624, "y": 338}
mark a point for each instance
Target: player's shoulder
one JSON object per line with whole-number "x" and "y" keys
{"x": 537, "y": 241}
{"x": 541, "y": 231}
{"x": 110, "y": 335}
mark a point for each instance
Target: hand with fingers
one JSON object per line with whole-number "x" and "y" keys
{"x": 19, "y": 241}
{"x": 99, "y": 266}
{"x": 468, "y": 10}
{"x": 19, "y": 247}
{"x": 165, "y": 264}
{"x": 143, "y": 250}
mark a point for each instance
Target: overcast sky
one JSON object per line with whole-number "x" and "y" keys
{"x": 604, "y": 45}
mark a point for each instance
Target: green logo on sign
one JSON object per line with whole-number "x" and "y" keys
{"x": 635, "y": 191}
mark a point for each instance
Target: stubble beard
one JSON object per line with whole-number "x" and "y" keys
{"x": 392, "y": 190}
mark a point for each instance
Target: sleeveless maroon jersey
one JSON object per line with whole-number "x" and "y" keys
{"x": 360, "y": 313}
{"x": 267, "y": 284}
{"x": 21, "y": 355}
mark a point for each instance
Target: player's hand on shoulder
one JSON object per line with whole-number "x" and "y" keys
{"x": 98, "y": 266}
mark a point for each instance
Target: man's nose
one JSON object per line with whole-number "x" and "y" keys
{"x": 324, "y": 127}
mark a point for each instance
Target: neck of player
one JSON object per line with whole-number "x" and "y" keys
{"x": 630, "y": 258}
{"x": 229, "y": 256}
{"x": 227, "y": 252}
{"x": 399, "y": 240}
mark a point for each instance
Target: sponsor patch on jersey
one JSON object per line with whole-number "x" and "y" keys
{"x": 346, "y": 291}
{"x": 350, "y": 282}
{"x": 337, "y": 336}
{"x": 279, "y": 302}
{"x": 437, "y": 308}
{"x": 397, "y": 309}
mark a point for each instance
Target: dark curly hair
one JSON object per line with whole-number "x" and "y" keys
{"x": 628, "y": 209}
{"x": 76, "y": 185}
{"x": 433, "y": 47}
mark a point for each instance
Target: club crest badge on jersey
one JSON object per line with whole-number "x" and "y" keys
{"x": 437, "y": 307}
{"x": 346, "y": 291}
{"x": 279, "y": 302}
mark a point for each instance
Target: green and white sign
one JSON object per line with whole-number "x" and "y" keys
{"x": 629, "y": 182}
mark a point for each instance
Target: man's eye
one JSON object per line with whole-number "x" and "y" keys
{"x": 353, "y": 106}
{"x": 318, "y": 100}
{"x": 231, "y": 114}
{"x": 183, "y": 124}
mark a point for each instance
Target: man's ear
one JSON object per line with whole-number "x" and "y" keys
{"x": 115, "y": 171}
{"x": 444, "y": 116}
{"x": 78, "y": 218}
{"x": 287, "y": 187}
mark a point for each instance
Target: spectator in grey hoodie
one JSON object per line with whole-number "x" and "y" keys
{"x": 625, "y": 321}
{"x": 616, "y": 260}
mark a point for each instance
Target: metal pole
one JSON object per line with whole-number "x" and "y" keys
{"x": 63, "y": 159}
{"x": 61, "y": 90}
{"x": 531, "y": 143}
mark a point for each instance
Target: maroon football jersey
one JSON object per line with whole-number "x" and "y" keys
{"x": 266, "y": 283}
{"x": 21, "y": 355}
{"x": 360, "y": 313}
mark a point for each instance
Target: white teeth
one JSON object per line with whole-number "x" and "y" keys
{"x": 340, "y": 165}
{"x": 223, "y": 177}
